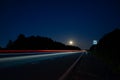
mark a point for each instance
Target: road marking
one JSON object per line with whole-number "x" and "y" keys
{"x": 70, "y": 68}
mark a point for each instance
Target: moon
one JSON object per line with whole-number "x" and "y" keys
{"x": 71, "y": 42}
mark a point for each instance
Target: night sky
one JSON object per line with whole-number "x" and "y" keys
{"x": 81, "y": 21}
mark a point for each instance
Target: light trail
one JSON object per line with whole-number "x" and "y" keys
{"x": 18, "y": 60}
{"x": 33, "y": 56}
{"x": 27, "y": 51}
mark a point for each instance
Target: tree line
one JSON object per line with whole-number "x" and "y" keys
{"x": 37, "y": 43}
{"x": 108, "y": 48}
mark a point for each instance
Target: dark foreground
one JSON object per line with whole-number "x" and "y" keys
{"x": 91, "y": 68}
{"x": 43, "y": 69}
{"x": 53, "y": 67}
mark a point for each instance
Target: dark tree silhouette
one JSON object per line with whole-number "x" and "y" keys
{"x": 0, "y": 47}
{"x": 108, "y": 47}
{"x": 110, "y": 41}
{"x": 21, "y": 36}
{"x": 9, "y": 44}
{"x": 72, "y": 47}
{"x": 37, "y": 42}
{"x": 93, "y": 48}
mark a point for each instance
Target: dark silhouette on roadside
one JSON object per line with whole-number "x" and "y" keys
{"x": 0, "y": 48}
{"x": 93, "y": 48}
{"x": 37, "y": 42}
{"x": 108, "y": 48}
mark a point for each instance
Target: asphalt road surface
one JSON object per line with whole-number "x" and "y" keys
{"x": 36, "y": 66}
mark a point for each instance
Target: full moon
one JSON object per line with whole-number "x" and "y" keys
{"x": 70, "y": 42}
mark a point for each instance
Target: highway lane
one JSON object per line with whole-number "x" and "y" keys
{"x": 37, "y": 67}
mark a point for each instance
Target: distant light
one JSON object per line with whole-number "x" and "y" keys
{"x": 70, "y": 42}
{"x": 94, "y": 42}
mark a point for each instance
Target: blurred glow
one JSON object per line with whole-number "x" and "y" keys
{"x": 94, "y": 42}
{"x": 71, "y": 42}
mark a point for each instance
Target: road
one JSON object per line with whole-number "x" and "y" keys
{"x": 49, "y": 66}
